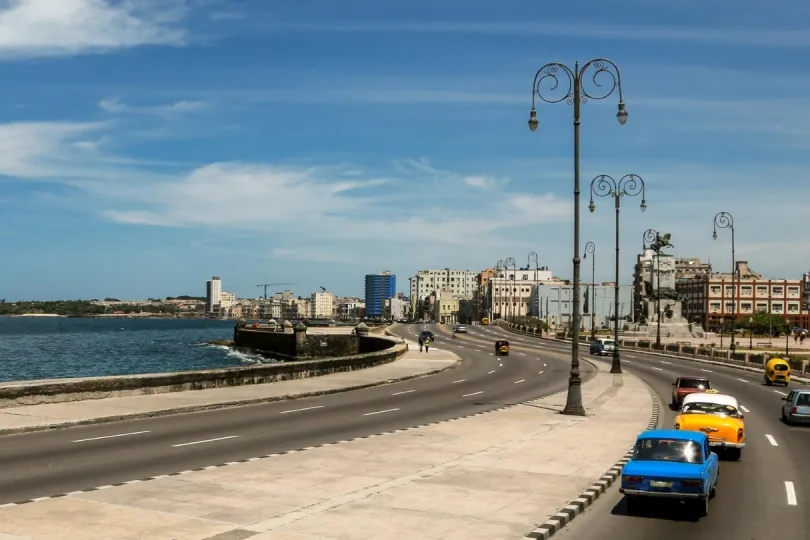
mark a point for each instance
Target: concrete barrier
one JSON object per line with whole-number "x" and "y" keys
{"x": 745, "y": 360}
{"x": 24, "y": 393}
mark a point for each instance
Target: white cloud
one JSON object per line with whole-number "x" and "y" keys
{"x": 30, "y": 28}
{"x": 171, "y": 110}
{"x": 752, "y": 36}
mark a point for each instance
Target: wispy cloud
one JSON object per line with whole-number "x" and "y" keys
{"x": 30, "y": 28}
{"x": 116, "y": 105}
{"x": 749, "y": 37}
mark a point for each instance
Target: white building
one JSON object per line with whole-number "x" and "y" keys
{"x": 396, "y": 308}
{"x": 322, "y": 305}
{"x": 512, "y": 292}
{"x": 213, "y": 294}
{"x": 555, "y": 304}
{"x": 459, "y": 283}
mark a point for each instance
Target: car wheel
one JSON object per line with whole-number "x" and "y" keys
{"x": 789, "y": 420}
{"x": 734, "y": 454}
{"x": 701, "y": 507}
{"x": 713, "y": 491}
{"x": 768, "y": 382}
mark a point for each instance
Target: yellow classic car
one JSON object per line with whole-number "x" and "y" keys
{"x": 719, "y": 417}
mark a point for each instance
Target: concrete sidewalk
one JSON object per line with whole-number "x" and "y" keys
{"x": 490, "y": 476}
{"x": 94, "y": 411}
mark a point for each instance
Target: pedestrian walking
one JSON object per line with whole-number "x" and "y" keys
{"x": 427, "y": 345}
{"x": 421, "y": 344}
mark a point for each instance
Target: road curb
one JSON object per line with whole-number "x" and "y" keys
{"x": 573, "y": 508}
{"x": 223, "y": 405}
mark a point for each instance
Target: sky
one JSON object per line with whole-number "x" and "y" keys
{"x": 146, "y": 145}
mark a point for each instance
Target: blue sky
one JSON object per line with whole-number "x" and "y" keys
{"x": 146, "y": 145}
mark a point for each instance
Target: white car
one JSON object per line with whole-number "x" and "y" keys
{"x": 461, "y": 329}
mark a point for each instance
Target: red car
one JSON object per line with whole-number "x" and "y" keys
{"x": 683, "y": 386}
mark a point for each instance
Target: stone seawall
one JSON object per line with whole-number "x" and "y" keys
{"x": 292, "y": 342}
{"x": 63, "y": 390}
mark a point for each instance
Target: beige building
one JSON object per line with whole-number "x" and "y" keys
{"x": 710, "y": 299}
{"x": 322, "y": 305}
{"x": 445, "y": 308}
{"x": 511, "y": 292}
{"x": 646, "y": 264}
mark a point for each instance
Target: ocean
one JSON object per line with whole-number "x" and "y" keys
{"x": 58, "y": 347}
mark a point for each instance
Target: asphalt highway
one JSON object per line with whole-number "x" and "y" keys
{"x": 48, "y": 463}
{"x": 762, "y": 496}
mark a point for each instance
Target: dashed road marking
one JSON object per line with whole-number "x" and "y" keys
{"x": 741, "y": 380}
{"x": 780, "y": 392}
{"x": 205, "y": 441}
{"x": 403, "y": 392}
{"x": 473, "y": 394}
{"x": 458, "y": 381}
{"x": 539, "y": 372}
{"x": 771, "y": 440}
{"x": 706, "y": 370}
{"x": 658, "y": 368}
{"x": 665, "y": 362}
{"x": 111, "y": 436}
{"x": 520, "y": 381}
{"x": 791, "y": 493}
{"x": 380, "y": 412}
{"x": 744, "y": 408}
{"x": 304, "y": 409}
{"x": 491, "y": 372}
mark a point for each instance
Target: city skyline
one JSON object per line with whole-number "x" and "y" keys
{"x": 149, "y": 145}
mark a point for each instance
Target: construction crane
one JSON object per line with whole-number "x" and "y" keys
{"x": 265, "y": 285}
{"x": 322, "y": 288}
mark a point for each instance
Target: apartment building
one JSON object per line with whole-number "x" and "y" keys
{"x": 379, "y": 289}
{"x": 713, "y": 300}
{"x": 445, "y": 307}
{"x": 322, "y": 305}
{"x": 350, "y": 308}
{"x": 460, "y": 283}
{"x": 213, "y": 294}
{"x": 509, "y": 292}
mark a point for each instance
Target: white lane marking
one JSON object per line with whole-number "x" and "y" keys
{"x": 491, "y": 372}
{"x": 627, "y": 361}
{"x": 706, "y": 370}
{"x": 780, "y": 393}
{"x": 545, "y": 365}
{"x": 380, "y": 412}
{"x": 304, "y": 409}
{"x": 473, "y": 394}
{"x": 205, "y": 441}
{"x": 523, "y": 353}
{"x": 491, "y": 354}
{"x": 501, "y": 365}
{"x": 771, "y": 440}
{"x": 458, "y": 381}
{"x": 520, "y": 381}
{"x": 791, "y": 493}
{"x": 658, "y": 368}
{"x": 744, "y": 408}
{"x": 403, "y": 392}
{"x": 741, "y": 380}
{"x": 112, "y": 436}
{"x": 539, "y": 372}
{"x": 665, "y": 362}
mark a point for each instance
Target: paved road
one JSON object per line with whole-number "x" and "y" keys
{"x": 763, "y": 496}
{"x": 53, "y": 462}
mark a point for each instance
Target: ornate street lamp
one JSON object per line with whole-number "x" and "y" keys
{"x": 590, "y": 247}
{"x": 650, "y": 236}
{"x": 724, "y": 220}
{"x": 500, "y": 267}
{"x": 510, "y": 262}
{"x": 576, "y": 93}
{"x": 628, "y": 185}
{"x": 534, "y": 258}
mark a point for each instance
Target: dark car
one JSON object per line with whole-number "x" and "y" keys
{"x": 426, "y": 336}
{"x": 683, "y": 386}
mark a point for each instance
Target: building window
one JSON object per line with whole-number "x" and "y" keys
{"x": 729, "y": 290}
{"x": 762, "y": 307}
{"x": 715, "y": 289}
{"x": 525, "y": 277}
{"x": 746, "y": 306}
{"x": 714, "y": 307}
{"x": 745, "y": 290}
{"x": 793, "y": 291}
{"x": 776, "y": 308}
{"x": 762, "y": 290}
{"x": 778, "y": 290}
{"x": 793, "y": 308}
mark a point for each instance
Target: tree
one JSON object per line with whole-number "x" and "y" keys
{"x": 763, "y": 322}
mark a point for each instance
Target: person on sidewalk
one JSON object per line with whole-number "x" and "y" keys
{"x": 421, "y": 344}
{"x": 427, "y": 345}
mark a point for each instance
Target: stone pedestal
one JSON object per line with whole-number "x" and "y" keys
{"x": 300, "y": 331}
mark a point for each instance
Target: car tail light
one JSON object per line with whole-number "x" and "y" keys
{"x": 740, "y": 434}
{"x": 677, "y": 426}
{"x": 634, "y": 479}
{"x": 690, "y": 483}
{"x": 794, "y": 410}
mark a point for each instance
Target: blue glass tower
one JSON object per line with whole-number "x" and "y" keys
{"x": 379, "y": 288}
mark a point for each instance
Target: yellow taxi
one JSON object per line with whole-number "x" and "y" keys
{"x": 777, "y": 370}
{"x": 719, "y": 417}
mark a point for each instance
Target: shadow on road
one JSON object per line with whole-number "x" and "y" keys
{"x": 658, "y": 509}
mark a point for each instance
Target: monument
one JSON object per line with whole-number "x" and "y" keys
{"x": 661, "y": 299}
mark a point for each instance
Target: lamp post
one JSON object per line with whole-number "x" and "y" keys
{"x": 499, "y": 267}
{"x": 510, "y": 261}
{"x": 750, "y": 333}
{"x": 533, "y": 257}
{"x": 650, "y": 236}
{"x": 576, "y": 93}
{"x": 590, "y": 247}
{"x": 724, "y": 220}
{"x": 628, "y": 185}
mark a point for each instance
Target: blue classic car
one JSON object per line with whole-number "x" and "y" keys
{"x": 671, "y": 464}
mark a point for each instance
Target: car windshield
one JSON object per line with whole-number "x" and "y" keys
{"x": 694, "y": 383}
{"x": 780, "y": 367}
{"x": 679, "y": 451}
{"x": 712, "y": 408}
